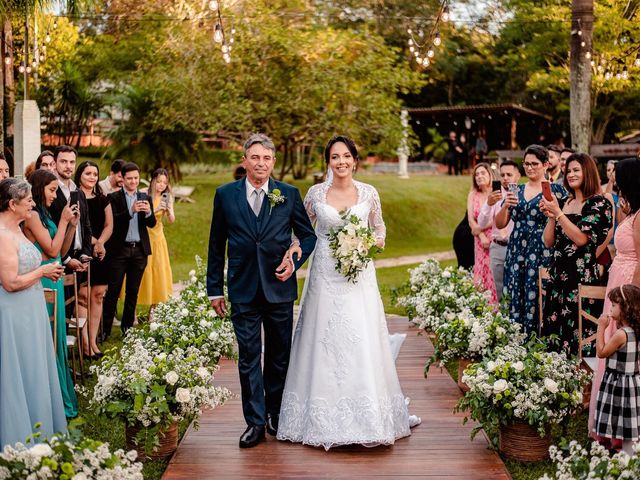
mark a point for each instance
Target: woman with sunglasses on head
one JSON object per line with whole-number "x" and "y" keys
{"x": 525, "y": 252}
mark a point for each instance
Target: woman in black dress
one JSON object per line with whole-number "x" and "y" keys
{"x": 101, "y": 218}
{"x": 463, "y": 244}
{"x": 575, "y": 227}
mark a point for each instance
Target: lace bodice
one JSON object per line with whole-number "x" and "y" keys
{"x": 325, "y": 217}
{"x": 29, "y": 257}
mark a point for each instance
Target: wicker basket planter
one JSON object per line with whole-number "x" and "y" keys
{"x": 521, "y": 441}
{"x": 462, "y": 364}
{"x": 168, "y": 442}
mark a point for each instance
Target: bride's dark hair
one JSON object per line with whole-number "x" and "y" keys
{"x": 351, "y": 145}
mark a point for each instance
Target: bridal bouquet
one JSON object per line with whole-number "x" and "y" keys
{"x": 353, "y": 246}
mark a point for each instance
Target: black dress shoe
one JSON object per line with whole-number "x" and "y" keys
{"x": 272, "y": 423}
{"x": 252, "y": 436}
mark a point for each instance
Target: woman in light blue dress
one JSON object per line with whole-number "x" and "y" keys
{"x": 51, "y": 240}
{"x": 29, "y": 387}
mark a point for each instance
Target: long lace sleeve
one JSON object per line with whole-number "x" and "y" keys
{"x": 310, "y": 200}
{"x": 375, "y": 216}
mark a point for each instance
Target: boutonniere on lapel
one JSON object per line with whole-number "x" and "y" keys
{"x": 275, "y": 198}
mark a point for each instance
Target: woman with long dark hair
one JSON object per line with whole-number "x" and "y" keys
{"x": 576, "y": 226}
{"x": 54, "y": 241}
{"x": 101, "y": 218}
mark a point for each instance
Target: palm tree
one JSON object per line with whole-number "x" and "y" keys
{"x": 138, "y": 138}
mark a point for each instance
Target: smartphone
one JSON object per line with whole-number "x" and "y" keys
{"x": 546, "y": 191}
{"x": 496, "y": 186}
{"x": 164, "y": 197}
{"x": 513, "y": 188}
{"x": 73, "y": 197}
{"x": 142, "y": 197}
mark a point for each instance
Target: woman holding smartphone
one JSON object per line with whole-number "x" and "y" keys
{"x": 482, "y": 184}
{"x": 525, "y": 252}
{"x": 54, "y": 241}
{"x": 576, "y": 226}
{"x": 101, "y": 218}
{"x": 157, "y": 281}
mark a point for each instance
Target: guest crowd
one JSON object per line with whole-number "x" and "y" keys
{"x": 531, "y": 245}
{"x": 63, "y": 221}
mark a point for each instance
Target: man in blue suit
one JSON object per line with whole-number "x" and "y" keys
{"x": 253, "y": 219}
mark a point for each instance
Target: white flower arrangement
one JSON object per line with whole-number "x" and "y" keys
{"x": 68, "y": 457}
{"x": 573, "y": 462}
{"x": 435, "y": 295}
{"x": 353, "y": 246}
{"x": 473, "y": 337}
{"x": 164, "y": 370}
{"x": 522, "y": 383}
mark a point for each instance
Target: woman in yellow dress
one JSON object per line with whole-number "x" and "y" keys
{"x": 157, "y": 281}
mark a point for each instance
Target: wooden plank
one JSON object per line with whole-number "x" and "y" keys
{"x": 438, "y": 448}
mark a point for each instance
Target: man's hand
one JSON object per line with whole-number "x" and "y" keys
{"x": 494, "y": 197}
{"x": 76, "y": 265}
{"x": 285, "y": 269}
{"x": 219, "y": 306}
{"x": 294, "y": 250}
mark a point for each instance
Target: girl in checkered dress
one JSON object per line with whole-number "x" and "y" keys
{"x": 618, "y": 408}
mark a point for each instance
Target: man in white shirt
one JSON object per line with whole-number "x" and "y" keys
{"x": 509, "y": 173}
{"x": 113, "y": 182}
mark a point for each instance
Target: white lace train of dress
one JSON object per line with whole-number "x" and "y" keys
{"x": 342, "y": 386}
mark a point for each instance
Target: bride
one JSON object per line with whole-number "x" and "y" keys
{"x": 342, "y": 387}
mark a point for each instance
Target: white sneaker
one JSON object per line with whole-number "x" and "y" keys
{"x": 116, "y": 322}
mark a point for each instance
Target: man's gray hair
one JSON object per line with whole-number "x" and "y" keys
{"x": 260, "y": 138}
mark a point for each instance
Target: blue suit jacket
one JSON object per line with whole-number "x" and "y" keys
{"x": 256, "y": 246}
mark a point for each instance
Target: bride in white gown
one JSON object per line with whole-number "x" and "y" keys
{"x": 342, "y": 387}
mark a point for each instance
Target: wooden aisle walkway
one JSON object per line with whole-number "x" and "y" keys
{"x": 438, "y": 448}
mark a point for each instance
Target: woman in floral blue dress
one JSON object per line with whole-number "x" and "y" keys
{"x": 526, "y": 253}
{"x": 575, "y": 229}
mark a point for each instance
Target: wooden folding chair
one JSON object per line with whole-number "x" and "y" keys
{"x": 74, "y": 342}
{"x": 51, "y": 298}
{"x": 543, "y": 277}
{"x": 588, "y": 292}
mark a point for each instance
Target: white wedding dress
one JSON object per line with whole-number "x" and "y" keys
{"x": 342, "y": 386}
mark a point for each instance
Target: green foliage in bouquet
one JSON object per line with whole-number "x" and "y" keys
{"x": 67, "y": 457}
{"x": 522, "y": 383}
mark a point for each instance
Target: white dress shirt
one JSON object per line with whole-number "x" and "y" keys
{"x": 487, "y": 218}
{"x": 77, "y": 243}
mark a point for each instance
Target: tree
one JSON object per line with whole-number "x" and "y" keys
{"x": 580, "y": 67}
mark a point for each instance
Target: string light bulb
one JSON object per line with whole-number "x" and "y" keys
{"x": 437, "y": 40}
{"x": 7, "y": 58}
{"x": 217, "y": 34}
{"x": 21, "y": 68}
{"x": 430, "y": 53}
{"x": 445, "y": 13}
{"x": 587, "y": 55}
{"x": 47, "y": 39}
{"x": 225, "y": 48}
{"x": 625, "y": 73}
{"x": 28, "y": 69}
{"x": 213, "y": 5}
{"x": 636, "y": 62}
{"x": 426, "y": 62}
{"x": 607, "y": 75}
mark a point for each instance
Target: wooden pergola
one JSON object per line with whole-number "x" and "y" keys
{"x": 505, "y": 125}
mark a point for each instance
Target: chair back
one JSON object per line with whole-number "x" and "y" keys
{"x": 587, "y": 292}
{"x": 51, "y": 298}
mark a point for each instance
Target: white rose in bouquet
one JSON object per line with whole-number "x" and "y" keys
{"x": 183, "y": 395}
{"x": 551, "y": 385}
{"x": 500, "y": 386}
{"x": 171, "y": 377}
{"x": 518, "y": 366}
{"x": 41, "y": 450}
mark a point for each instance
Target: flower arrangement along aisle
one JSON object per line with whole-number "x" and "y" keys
{"x": 163, "y": 372}
{"x": 437, "y": 295}
{"x": 472, "y": 337}
{"x": 573, "y": 462}
{"x": 522, "y": 386}
{"x": 68, "y": 457}
{"x": 353, "y": 246}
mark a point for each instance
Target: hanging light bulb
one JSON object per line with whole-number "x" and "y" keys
{"x": 636, "y": 62}
{"x": 41, "y": 58}
{"x": 7, "y": 58}
{"x": 587, "y": 55}
{"x": 43, "y": 48}
{"x": 426, "y": 62}
{"x": 582, "y": 44}
{"x": 430, "y": 53}
{"x": 437, "y": 40}
{"x": 213, "y": 5}
{"x": 409, "y": 31}
{"x": 233, "y": 31}
{"x": 34, "y": 64}
{"x": 226, "y": 57}
{"x": 412, "y": 49}
{"x": 230, "y": 41}
{"x": 593, "y": 63}
{"x": 225, "y": 48}
{"x": 217, "y": 34}
{"x": 419, "y": 60}
{"x": 55, "y": 24}
{"x": 410, "y": 41}
{"x": 21, "y": 68}
{"x": 47, "y": 39}
{"x": 445, "y": 13}
{"x": 28, "y": 69}
{"x": 607, "y": 75}
{"x": 579, "y": 33}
